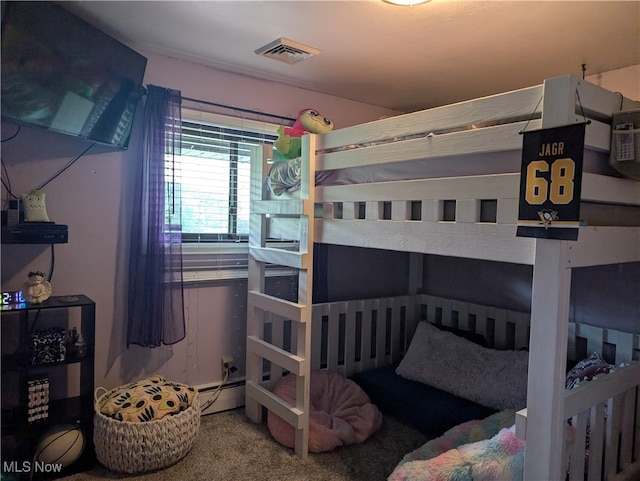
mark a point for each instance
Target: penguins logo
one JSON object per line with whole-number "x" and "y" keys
{"x": 547, "y": 217}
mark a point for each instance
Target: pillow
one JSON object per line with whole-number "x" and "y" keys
{"x": 497, "y": 379}
{"x": 586, "y": 369}
{"x": 35, "y": 209}
{"x": 469, "y": 336}
{"x": 340, "y": 412}
{"x": 147, "y": 400}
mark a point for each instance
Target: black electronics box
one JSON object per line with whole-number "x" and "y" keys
{"x": 35, "y": 233}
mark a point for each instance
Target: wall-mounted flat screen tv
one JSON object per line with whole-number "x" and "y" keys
{"x": 61, "y": 73}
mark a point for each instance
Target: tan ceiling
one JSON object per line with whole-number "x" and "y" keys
{"x": 403, "y": 58}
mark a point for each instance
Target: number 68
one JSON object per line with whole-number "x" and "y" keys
{"x": 559, "y": 189}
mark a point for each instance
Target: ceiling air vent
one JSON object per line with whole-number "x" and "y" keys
{"x": 287, "y": 51}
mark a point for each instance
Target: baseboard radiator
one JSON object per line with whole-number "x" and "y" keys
{"x": 230, "y": 396}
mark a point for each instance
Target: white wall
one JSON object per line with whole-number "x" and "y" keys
{"x": 624, "y": 80}
{"x": 206, "y": 83}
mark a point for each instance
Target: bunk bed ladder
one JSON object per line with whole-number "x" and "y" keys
{"x": 262, "y": 307}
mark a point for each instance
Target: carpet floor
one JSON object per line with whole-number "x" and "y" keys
{"x": 230, "y": 447}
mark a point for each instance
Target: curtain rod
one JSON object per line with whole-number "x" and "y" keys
{"x": 255, "y": 112}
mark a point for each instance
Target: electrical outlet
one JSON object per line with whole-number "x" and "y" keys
{"x": 227, "y": 366}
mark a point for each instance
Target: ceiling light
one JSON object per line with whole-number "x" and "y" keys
{"x": 406, "y": 3}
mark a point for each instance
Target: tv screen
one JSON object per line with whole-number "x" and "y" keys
{"x": 61, "y": 73}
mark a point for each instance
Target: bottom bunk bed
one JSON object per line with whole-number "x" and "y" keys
{"x": 372, "y": 342}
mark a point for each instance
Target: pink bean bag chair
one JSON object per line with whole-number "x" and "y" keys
{"x": 341, "y": 413}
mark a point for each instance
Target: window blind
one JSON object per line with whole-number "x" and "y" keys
{"x": 213, "y": 186}
{"x": 215, "y": 175}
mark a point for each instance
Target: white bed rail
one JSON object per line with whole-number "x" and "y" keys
{"x": 487, "y": 124}
{"x": 603, "y": 442}
{"x": 604, "y": 415}
{"x": 473, "y": 216}
{"x": 356, "y": 335}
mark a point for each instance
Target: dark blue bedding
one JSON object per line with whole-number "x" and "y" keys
{"x": 426, "y": 408}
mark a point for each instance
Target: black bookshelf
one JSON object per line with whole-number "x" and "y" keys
{"x": 70, "y": 381}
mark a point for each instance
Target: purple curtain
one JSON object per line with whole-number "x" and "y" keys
{"x": 156, "y": 297}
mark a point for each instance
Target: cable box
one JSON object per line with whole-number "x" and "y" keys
{"x": 35, "y": 233}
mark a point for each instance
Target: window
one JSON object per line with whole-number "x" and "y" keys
{"x": 215, "y": 175}
{"x": 213, "y": 188}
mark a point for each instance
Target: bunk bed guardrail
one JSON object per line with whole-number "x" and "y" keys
{"x": 356, "y": 335}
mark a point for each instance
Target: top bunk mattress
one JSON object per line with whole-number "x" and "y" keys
{"x": 285, "y": 176}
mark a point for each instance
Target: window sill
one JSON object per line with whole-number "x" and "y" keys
{"x": 230, "y": 274}
{"x": 214, "y": 248}
{"x": 212, "y": 262}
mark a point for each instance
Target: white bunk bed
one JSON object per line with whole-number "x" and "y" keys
{"x": 407, "y": 215}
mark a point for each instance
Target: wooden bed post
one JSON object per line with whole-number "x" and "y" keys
{"x": 255, "y": 281}
{"x": 547, "y": 361}
{"x": 549, "y": 320}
